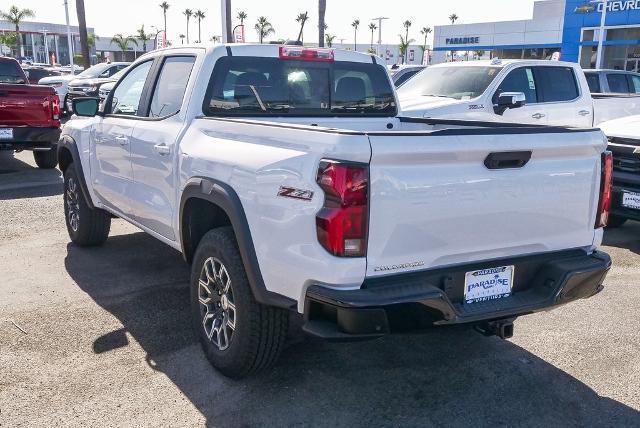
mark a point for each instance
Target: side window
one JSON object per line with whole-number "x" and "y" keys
{"x": 635, "y": 84}
{"x": 519, "y": 80}
{"x": 618, "y": 83}
{"x": 171, "y": 86}
{"x": 557, "y": 84}
{"x": 126, "y": 97}
{"x": 593, "y": 80}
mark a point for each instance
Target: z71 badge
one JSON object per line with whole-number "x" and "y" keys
{"x": 476, "y": 107}
{"x": 290, "y": 192}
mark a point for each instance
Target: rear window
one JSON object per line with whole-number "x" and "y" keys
{"x": 593, "y": 80}
{"x": 618, "y": 83}
{"x": 557, "y": 83}
{"x": 10, "y": 72}
{"x": 258, "y": 86}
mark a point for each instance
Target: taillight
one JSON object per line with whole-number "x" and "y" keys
{"x": 55, "y": 107}
{"x": 306, "y": 54}
{"x": 342, "y": 222}
{"x": 606, "y": 182}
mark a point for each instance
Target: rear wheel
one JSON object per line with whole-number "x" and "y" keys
{"x": 238, "y": 335}
{"x": 86, "y": 226}
{"x": 46, "y": 159}
{"x": 615, "y": 221}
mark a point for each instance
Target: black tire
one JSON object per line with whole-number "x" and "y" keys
{"x": 259, "y": 331}
{"x": 47, "y": 159}
{"x": 615, "y": 221}
{"x": 90, "y": 227}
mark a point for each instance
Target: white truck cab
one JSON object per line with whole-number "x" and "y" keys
{"x": 555, "y": 93}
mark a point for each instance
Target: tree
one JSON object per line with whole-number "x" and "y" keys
{"x": 188, "y": 13}
{"x": 15, "y": 16}
{"x": 215, "y": 39}
{"x": 82, "y": 29}
{"x": 91, "y": 39}
{"x": 200, "y": 15}
{"x": 425, "y": 32}
{"x": 453, "y": 18}
{"x": 479, "y": 53}
{"x": 8, "y": 39}
{"x": 373, "y": 27}
{"x": 164, "y": 6}
{"x": 329, "y": 38}
{"x": 302, "y": 19}
{"x": 144, "y": 37}
{"x": 123, "y": 42}
{"x": 322, "y": 11}
{"x": 242, "y": 15}
{"x": 264, "y": 28}
{"x": 181, "y": 38}
{"x": 355, "y": 24}
{"x": 404, "y": 47}
{"x": 406, "y": 24}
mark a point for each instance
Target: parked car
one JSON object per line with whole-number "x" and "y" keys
{"x": 61, "y": 83}
{"x": 400, "y": 74}
{"x": 522, "y": 91}
{"x": 624, "y": 142}
{"x": 90, "y": 87}
{"x": 29, "y": 115}
{"x": 285, "y": 177}
{"x": 34, "y": 74}
{"x": 613, "y": 82}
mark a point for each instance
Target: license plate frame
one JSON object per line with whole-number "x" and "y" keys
{"x": 631, "y": 200}
{"x": 6, "y": 133}
{"x": 488, "y": 284}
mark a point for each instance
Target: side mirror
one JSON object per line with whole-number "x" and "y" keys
{"x": 85, "y": 106}
{"x": 507, "y": 100}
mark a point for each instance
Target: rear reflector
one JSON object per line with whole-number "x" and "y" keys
{"x": 55, "y": 107}
{"x": 342, "y": 222}
{"x": 606, "y": 182}
{"x": 306, "y": 54}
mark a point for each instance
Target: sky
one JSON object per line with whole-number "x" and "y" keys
{"x": 110, "y": 17}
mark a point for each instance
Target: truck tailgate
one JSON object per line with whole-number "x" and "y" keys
{"x": 434, "y": 202}
{"x": 26, "y": 105}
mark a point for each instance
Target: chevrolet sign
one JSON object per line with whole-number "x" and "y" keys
{"x": 466, "y": 40}
{"x": 612, "y": 6}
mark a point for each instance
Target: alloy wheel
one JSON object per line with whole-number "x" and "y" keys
{"x": 73, "y": 206}
{"x": 217, "y": 305}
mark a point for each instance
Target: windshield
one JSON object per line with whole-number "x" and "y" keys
{"x": 94, "y": 71}
{"x": 252, "y": 86}
{"x": 460, "y": 83}
{"x": 119, "y": 74}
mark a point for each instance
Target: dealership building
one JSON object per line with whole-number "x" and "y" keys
{"x": 569, "y": 27}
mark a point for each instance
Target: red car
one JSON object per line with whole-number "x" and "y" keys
{"x": 29, "y": 115}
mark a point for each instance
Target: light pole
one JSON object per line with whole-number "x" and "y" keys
{"x": 69, "y": 43}
{"x": 603, "y": 20}
{"x": 46, "y": 44}
{"x": 379, "y": 33}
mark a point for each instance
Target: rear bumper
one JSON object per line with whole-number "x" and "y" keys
{"x": 418, "y": 300}
{"x": 28, "y": 138}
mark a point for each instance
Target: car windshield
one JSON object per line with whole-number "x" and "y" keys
{"x": 94, "y": 71}
{"x": 450, "y": 82}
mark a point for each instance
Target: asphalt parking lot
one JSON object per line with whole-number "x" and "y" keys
{"x": 102, "y": 336}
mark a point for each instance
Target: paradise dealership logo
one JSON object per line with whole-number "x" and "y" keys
{"x": 612, "y": 6}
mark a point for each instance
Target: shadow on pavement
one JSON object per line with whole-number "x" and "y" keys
{"x": 625, "y": 237}
{"x": 446, "y": 377}
{"x": 19, "y": 180}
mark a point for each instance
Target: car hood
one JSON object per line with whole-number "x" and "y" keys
{"x": 626, "y": 127}
{"x": 108, "y": 86}
{"x": 424, "y": 105}
{"x": 90, "y": 82}
{"x": 55, "y": 79}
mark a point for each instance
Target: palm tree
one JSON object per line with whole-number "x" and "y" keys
{"x": 82, "y": 30}
{"x": 264, "y": 28}
{"x": 188, "y": 13}
{"x": 123, "y": 42}
{"x": 164, "y": 6}
{"x": 91, "y": 39}
{"x": 145, "y": 37}
{"x": 200, "y": 15}
{"x": 355, "y": 24}
{"x": 322, "y": 10}
{"x": 329, "y": 38}
{"x": 425, "y": 32}
{"x": 242, "y": 15}
{"x": 406, "y": 24}
{"x": 182, "y": 38}
{"x": 403, "y": 47}
{"x": 302, "y": 19}
{"x": 15, "y": 16}
{"x": 453, "y": 18}
{"x": 373, "y": 27}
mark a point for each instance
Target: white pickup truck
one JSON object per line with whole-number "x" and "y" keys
{"x": 519, "y": 91}
{"x": 286, "y": 178}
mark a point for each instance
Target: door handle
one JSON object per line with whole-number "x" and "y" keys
{"x": 584, "y": 112}
{"x": 538, "y": 115}
{"x": 507, "y": 160}
{"x": 162, "y": 149}
{"x": 122, "y": 140}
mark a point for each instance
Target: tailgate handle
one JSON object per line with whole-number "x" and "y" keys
{"x": 507, "y": 160}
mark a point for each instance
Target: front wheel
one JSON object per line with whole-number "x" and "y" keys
{"x": 46, "y": 159}
{"x": 238, "y": 335}
{"x": 87, "y": 227}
